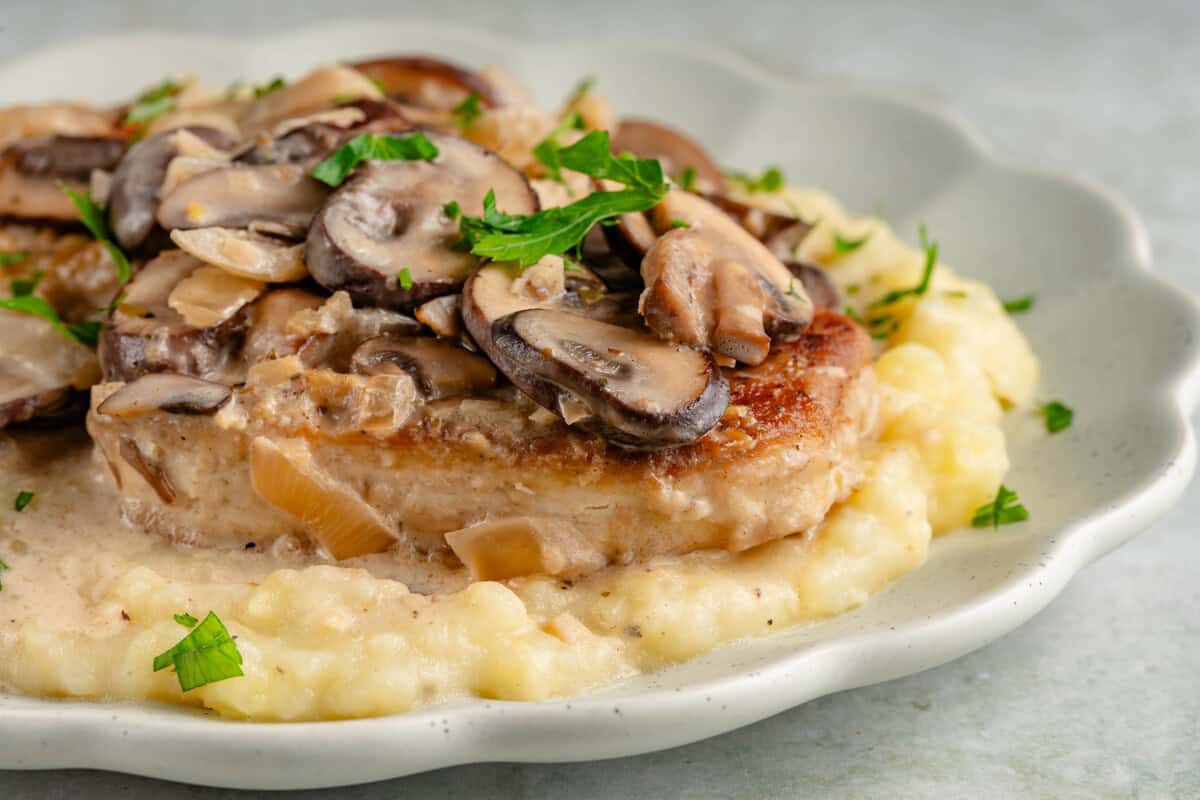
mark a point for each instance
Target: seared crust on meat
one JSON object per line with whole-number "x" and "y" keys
{"x": 785, "y": 451}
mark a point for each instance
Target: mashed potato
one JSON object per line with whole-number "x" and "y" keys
{"x": 326, "y": 642}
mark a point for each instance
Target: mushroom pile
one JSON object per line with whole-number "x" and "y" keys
{"x": 324, "y": 221}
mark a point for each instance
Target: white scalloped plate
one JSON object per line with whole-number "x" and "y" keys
{"x": 1115, "y": 340}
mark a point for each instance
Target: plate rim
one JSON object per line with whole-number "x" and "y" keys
{"x": 787, "y": 680}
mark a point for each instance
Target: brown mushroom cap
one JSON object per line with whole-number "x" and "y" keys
{"x": 438, "y": 367}
{"x": 31, "y": 170}
{"x": 144, "y": 334}
{"x": 427, "y": 82}
{"x": 391, "y": 216}
{"x": 634, "y": 390}
{"x": 241, "y": 194}
{"x": 41, "y": 371}
{"x": 138, "y": 180}
{"x": 817, "y": 284}
{"x": 714, "y": 286}
{"x": 166, "y": 391}
{"x": 674, "y": 149}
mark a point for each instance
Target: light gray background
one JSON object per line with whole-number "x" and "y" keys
{"x": 1097, "y": 697}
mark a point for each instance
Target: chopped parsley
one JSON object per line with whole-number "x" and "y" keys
{"x": 3, "y": 568}
{"x": 1005, "y": 509}
{"x": 86, "y": 333}
{"x": 957, "y": 294}
{"x": 467, "y": 111}
{"x": 547, "y": 149}
{"x": 373, "y": 147}
{"x": 187, "y": 620}
{"x": 1019, "y": 305}
{"x": 931, "y": 254}
{"x": 1057, "y": 415}
{"x": 771, "y": 180}
{"x": 272, "y": 85}
{"x": 92, "y": 217}
{"x": 526, "y": 239}
{"x": 843, "y": 245}
{"x": 153, "y": 103}
{"x": 687, "y": 178}
{"x": 206, "y": 655}
{"x": 23, "y": 287}
{"x": 852, "y": 288}
{"x": 13, "y": 258}
{"x": 792, "y": 289}
{"x": 378, "y": 84}
{"x": 679, "y": 223}
{"x": 452, "y": 209}
{"x": 404, "y": 278}
{"x": 24, "y": 498}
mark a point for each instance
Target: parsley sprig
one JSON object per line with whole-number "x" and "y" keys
{"x": 373, "y": 147}
{"x": 92, "y": 217}
{"x": 3, "y": 568}
{"x": 86, "y": 333}
{"x": 206, "y": 655}
{"x": 771, "y": 180}
{"x": 153, "y": 103}
{"x": 931, "y": 255}
{"x": 13, "y": 258}
{"x": 526, "y": 239}
{"x": 1018, "y": 305}
{"x": 842, "y": 245}
{"x": 1005, "y": 509}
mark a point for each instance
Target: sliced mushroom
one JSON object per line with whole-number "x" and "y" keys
{"x": 268, "y": 333}
{"x": 439, "y": 368}
{"x": 335, "y": 329}
{"x": 442, "y": 315}
{"x": 31, "y": 171}
{"x": 244, "y": 253}
{"x": 636, "y": 391}
{"x": 427, "y": 84}
{"x": 150, "y": 470}
{"x": 48, "y": 119}
{"x": 138, "y": 180}
{"x": 674, "y": 149}
{"x": 210, "y": 296}
{"x": 42, "y": 372}
{"x": 237, "y": 195}
{"x": 817, "y": 283}
{"x": 165, "y": 391}
{"x": 781, "y": 233}
{"x": 323, "y": 88}
{"x": 714, "y": 286}
{"x": 144, "y": 334}
{"x": 392, "y": 217}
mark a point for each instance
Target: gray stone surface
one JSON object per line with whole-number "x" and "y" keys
{"x": 1097, "y": 697}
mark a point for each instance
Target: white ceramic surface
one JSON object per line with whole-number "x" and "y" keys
{"x": 1115, "y": 341}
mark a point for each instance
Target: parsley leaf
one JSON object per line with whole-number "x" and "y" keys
{"x": 1019, "y": 304}
{"x": 931, "y": 254}
{"x": 680, "y": 223}
{"x": 187, "y": 620}
{"x": 593, "y": 156}
{"x": 467, "y": 111}
{"x": 24, "y": 498}
{"x": 547, "y": 149}
{"x": 274, "y": 84}
{"x": 206, "y": 655}
{"x": 452, "y": 209}
{"x": 92, "y": 218}
{"x": 1003, "y": 510}
{"x": 83, "y": 332}
{"x": 1058, "y": 416}
{"x": 526, "y": 239}
{"x": 770, "y": 181}
{"x": 13, "y": 258}
{"x": 153, "y": 102}
{"x": 23, "y": 287}
{"x": 404, "y": 278}
{"x": 373, "y": 147}
{"x": 841, "y": 245}
{"x": 3, "y": 567}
